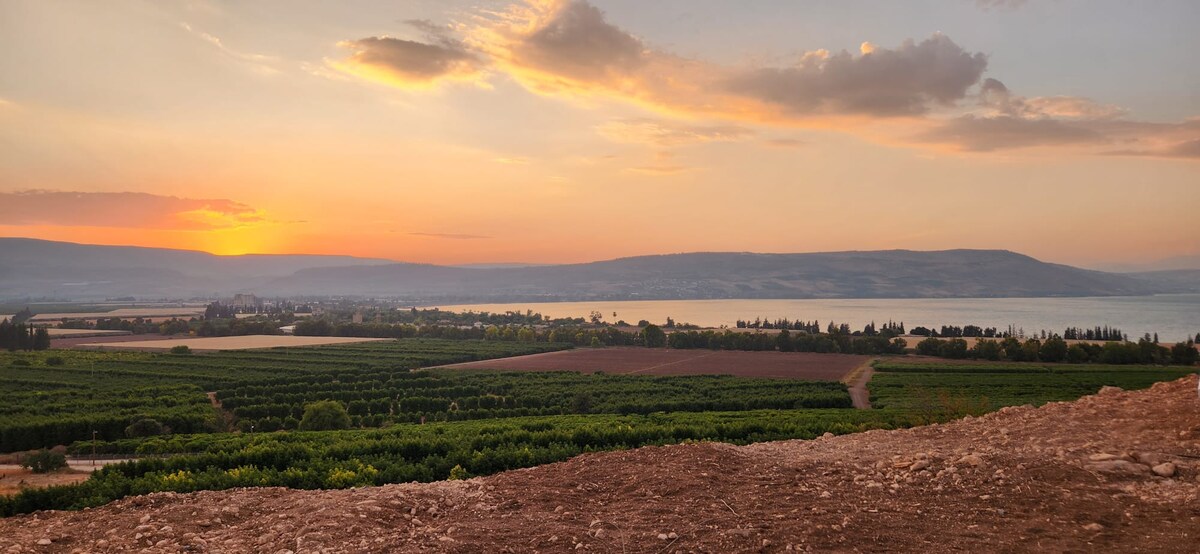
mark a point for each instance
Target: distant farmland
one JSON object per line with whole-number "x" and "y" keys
{"x": 227, "y": 343}
{"x": 647, "y": 361}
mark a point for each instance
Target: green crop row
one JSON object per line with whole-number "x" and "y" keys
{"x": 403, "y": 453}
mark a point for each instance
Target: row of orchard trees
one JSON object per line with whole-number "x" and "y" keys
{"x": 785, "y": 341}
{"x": 1055, "y": 349}
{"x": 18, "y": 336}
{"x": 418, "y": 453}
{"x": 412, "y": 397}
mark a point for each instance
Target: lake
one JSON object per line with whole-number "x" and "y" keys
{"x": 1174, "y": 317}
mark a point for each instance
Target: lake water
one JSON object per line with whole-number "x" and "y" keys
{"x": 1174, "y": 317}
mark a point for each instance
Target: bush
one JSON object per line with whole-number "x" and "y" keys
{"x": 44, "y": 461}
{"x": 326, "y": 415}
{"x": 929, "y": 347}
{"x": 953, "y": 348}
{"x": 582, "y": 403}
{"x": 181, "y": 349}
{"x": 19, "y": 362}
{"x": 55, "y": 360}
{"x": 653, "y": 336}
{"x": 144, "y": 428}
{"x": 457, "y": 473}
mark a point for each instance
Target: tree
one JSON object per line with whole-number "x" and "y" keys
{"x": 784, "y": 341}
{"x": 326, "y": 415}
{"x": 41, "y": 339}
{"x": 44, "y": 461}
{"x": 1054, "y": 349}
{"x": 986, "y": 349}
{"x": 929, "y": 347}
{"x": 582, "y": 404}
{"x": 1184, "y": 353}
{"x": 953, "y": 348}
{"x": 653, "y": 336}
{"x": 144, "y": 427}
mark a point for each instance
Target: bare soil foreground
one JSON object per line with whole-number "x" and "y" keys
{"x": 658, "y": 361}
{"x": 1117, "y": 471}
{"x": 222, "y": 343}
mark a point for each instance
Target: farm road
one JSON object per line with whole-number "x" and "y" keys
{"x": 858, "y": 380}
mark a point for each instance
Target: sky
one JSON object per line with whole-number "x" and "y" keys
{"x": 555, "y": 131}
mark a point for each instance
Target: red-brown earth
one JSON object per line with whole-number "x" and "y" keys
{"x": 659, "y": 361}
{"x": 1118, "y": 471}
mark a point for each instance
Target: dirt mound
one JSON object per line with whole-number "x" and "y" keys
{"x": 1118, "y": 471}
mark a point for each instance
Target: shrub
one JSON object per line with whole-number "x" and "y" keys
{"x": 653, "y": 336}
{"x": 582, "y": 403}
{"x": 929, "y": 347}
{"x": 326, "y": 415}
{"x": 457, "y": 473}
{"x": 44, "y": 461}
{"x": 144, "y": 428}
{"x": 181, "y": 349}
{"x": 19, "y": 362}
{"x": 55, "y": 360}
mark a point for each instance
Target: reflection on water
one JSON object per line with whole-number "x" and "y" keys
{"x": 1174, "y": 317}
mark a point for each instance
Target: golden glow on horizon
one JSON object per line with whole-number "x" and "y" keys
{"x": 492, "y": 136}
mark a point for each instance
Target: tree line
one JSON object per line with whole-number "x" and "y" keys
{"x": 18, "y": 336}
{"x": 1055, "y": 349}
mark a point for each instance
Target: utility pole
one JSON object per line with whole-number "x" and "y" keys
{"x": 93, "y": 422}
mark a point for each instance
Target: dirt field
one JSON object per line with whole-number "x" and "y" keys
{"x": 124, "y": 313}
{"x": 56, "y": 333}
{"x": 657, "y": 361}
{"x": 13, "y": 479}
{"x": 72, "y": 342}
{"x": 1114, "y": 472}
{"x": 221, "y": 343}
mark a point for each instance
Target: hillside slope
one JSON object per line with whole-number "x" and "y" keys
{"x": 877, "y": 274}
{"x": 31, "y": 268}
{"x": 1065, "y": 477}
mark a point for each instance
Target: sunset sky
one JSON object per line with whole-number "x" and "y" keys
{"x": 562, "y": 131}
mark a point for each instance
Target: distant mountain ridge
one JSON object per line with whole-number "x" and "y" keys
{"x": 34, "y": 267}
{"x": 31, "y": 267}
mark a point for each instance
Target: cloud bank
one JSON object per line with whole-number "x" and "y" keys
{"x": 410, "y": 63}
{"x": 928, "y": 93}
{"x": 137, "y": 210}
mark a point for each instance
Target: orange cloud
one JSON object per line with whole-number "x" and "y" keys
{"x": 567, "y": 48}
{"x": 124, "y": 209}
{"x": 409, "y": 63}
{"x": 666, "y": 133}
{"x": 1010, "y": 121}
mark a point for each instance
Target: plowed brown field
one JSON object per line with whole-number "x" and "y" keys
{"x": 657, "y": 361}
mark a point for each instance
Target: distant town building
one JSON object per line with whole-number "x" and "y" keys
{"x": 245, "y": 301}
{"x": 357, "y": 317}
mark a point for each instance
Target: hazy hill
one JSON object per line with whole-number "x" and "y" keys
{"x": 1171, "y": 281}
{"x": 38, "y": 268}
{"x": 31, "y": 267}
{"x": 1176, "y": 263}
{"x": 895, "y": 273}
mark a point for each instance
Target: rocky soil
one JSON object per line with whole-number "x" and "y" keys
{"x": 1118, "y": 471}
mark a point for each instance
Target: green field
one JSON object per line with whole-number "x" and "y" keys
{"x": 60, "y": 396}
{"x": 946, "y": 390}
{"x": 479, "y": 422}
